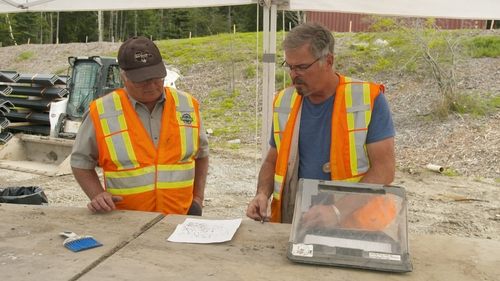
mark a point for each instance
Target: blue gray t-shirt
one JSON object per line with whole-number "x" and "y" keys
{"x": 315, "y": 134}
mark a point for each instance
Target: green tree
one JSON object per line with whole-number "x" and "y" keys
{"x": 25, "y": 27}
{"x": 5, "y": 38}
{"x": 120, "y": 25}
{"x": 78, "y": 27}
{"x": 245, "y": 18}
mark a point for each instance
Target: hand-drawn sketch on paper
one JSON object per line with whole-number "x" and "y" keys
{"x": 205, "y": 231}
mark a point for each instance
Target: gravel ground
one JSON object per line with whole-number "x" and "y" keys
{"x": 457, "y": 206}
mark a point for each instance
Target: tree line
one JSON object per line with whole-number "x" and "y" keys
{"x": 66, "y": 27}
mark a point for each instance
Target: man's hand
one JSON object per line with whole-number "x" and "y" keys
{"x": 257, "y": 208}
{"x": 195, "y": 209}
{"x": 103, "y": 202}
{"x": 100, "y": 200}
{"x": 320, "y": 216}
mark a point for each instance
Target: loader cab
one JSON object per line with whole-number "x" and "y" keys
{"x": 91, "y": 77}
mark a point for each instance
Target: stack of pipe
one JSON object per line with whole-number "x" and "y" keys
{"x": 25, "y": 101}
{"x": 9, "y": 76}
{"x": 5, "y": 137}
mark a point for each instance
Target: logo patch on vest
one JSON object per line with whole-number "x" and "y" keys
{"x": 186, "y": 118}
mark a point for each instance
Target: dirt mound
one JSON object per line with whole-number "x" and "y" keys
{"x": 53, "y": 59}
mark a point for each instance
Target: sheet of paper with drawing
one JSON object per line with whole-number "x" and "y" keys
{"x": 204, "y": 231}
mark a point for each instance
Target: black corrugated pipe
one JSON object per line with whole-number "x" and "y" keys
{"x": 40, "y": 105}
{"x": 35, "y": 117}
{"x": 32, "y": 129}
{"x": 9, "y": 76}
{"x": 41, "y": 79}
{"x": 46, "y": 92}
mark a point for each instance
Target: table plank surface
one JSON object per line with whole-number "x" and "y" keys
{"x": 31, "y": 249}
{"x": 258, "y": 252}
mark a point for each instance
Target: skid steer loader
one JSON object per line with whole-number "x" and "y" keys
{"x": 89, "y": 78}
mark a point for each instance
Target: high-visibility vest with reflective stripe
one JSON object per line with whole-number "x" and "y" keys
{"x": 350, "y": 119}
{"x": 149, "y": 178}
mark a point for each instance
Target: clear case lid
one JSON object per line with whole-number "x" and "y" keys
{"x": 350, "y": 224}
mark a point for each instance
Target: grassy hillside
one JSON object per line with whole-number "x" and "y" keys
{"x": 229, "y": 100}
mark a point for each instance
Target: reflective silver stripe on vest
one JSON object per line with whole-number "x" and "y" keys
{"x": 361, "y": 113}
{"x": 175, "y": 176}
{"x": 120, "y": 149}
{"x": 277, "y": 188}
{"x": 119, "y": 144}
{"x": 284, "y": 109}
{"x": 361, "y": 154}
{"x": 182, "y": 108}
{"x": 112, "y": 114}
{"x": 278, "y": 182}
{"x": 127, "y": 181}
{"x": 359, "y": 107}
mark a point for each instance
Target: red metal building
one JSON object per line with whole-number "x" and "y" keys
{"x": 348, "y": 22}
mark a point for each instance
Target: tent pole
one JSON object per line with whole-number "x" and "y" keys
{"x": 265, "y": 81}
{"x": 99, "y": 24}
{"x": 57, "y": 29}
{"x": 268, "y": 77}
{"x": 283, "y": 39}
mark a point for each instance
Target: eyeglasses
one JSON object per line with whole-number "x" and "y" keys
{"x": 298, "y": 67}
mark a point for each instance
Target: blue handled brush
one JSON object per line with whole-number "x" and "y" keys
{"x": 78, "y": 243}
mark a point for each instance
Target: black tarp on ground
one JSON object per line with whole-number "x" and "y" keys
{"x": 32, "y": 195}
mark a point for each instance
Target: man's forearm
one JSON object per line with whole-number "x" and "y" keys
{"x": 200, "y": 179}
{"x": 266, "y": 180}
{"x": 377, "y": 177}
{"x": 88, "y": 181}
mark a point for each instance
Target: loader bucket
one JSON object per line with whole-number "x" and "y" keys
{"x": 37, "y": 154}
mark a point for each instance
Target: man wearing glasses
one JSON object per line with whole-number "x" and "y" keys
{"x": 147, "y": 138}
{"x": 325, "y": 126}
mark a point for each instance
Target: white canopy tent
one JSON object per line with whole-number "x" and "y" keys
{"x": 478, "y": 9}
{"x": 462, "y": 9}
{"x": 14, "y": 6}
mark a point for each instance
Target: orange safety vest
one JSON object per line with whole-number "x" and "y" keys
{"x": 149, "y": 178}
{"x": 350, "y": 119}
